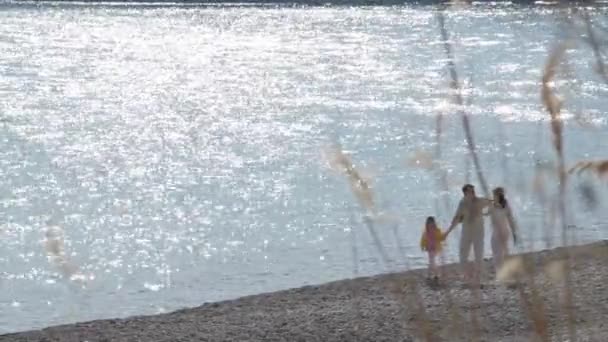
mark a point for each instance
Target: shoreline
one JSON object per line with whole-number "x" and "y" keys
{"x": 381, "y": 307}
{"x": 293, "y": 3}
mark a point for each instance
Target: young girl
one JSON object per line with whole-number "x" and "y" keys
{"x": 431, "y": 242}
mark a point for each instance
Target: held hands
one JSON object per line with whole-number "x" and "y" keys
{"x": 447, "y": 232}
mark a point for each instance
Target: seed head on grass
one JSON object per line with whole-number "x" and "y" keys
{"x": 553, "y": 105}
{"x": 512, "y": 270}
{"x": 54, "y": 246}
{"x": 54, "y": 243}
{"x": 599, "y": 167}
{"x": 340, "y": 161}
{"x": 556, "y": 271}
{"x": 550, "y": 100}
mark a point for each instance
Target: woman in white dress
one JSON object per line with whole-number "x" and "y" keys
{"x": 503, "y": 225}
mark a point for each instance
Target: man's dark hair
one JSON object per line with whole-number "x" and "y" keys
{"x": 467, "y": 187}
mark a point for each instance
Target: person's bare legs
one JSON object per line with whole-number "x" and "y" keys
{"x": 464, "y": 251}
{"x": 478, "y": 251}
{"x": 500, "y": 248}
{"x": 432, "y": 264}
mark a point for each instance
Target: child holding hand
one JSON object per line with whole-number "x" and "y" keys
{"x": 432, "y": 242}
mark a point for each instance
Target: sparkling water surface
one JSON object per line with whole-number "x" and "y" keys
{"x": 173, "y": 155}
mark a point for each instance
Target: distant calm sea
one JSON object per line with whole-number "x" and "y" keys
{"x": 179, "y": 149}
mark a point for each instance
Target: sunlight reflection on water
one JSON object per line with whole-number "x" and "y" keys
{"x": 179, "y": 149}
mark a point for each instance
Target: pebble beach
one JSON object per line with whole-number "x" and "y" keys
{"x": 389, "y": 307}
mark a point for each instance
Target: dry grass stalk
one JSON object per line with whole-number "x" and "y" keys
{"x": 504, "y": 161}
{"x": 363, "y": 193}
{"x": 512, "y": 270}
{"x": 516, "y": 270}
{"x": 539, "y": 190}
{"x": 53, "y": 243}
{"x": 455, "y": 322}
{"x": 589, "y": 195}
{"x": 569, "y": 301}
{"x": 599, "y": 167}
{"x": 355, "y": 289}
{"x": 542, "y": 171}
{"x": 553, "y": 105}
{"x": 456, "y": 88}
{"x": 377, "y": 242}
{"x": 556, "y": 270}
{"x": 421, "y": 318}
{"x": 359, "y": 185}
{"x": 409, "y": 294}
{"x": 54, "y": 246}
{"x": 455, "y": 85}
{"x": 535, "y": 309}
{"x": 442, "y": 175}
{"x": 595, "y": 46}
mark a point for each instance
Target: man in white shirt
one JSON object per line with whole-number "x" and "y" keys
{"x": 470, "y": 214}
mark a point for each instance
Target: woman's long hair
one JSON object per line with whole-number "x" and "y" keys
{"x": 500, "y": 194}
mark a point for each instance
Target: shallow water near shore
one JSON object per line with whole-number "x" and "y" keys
{"x": 180, "y": 149}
